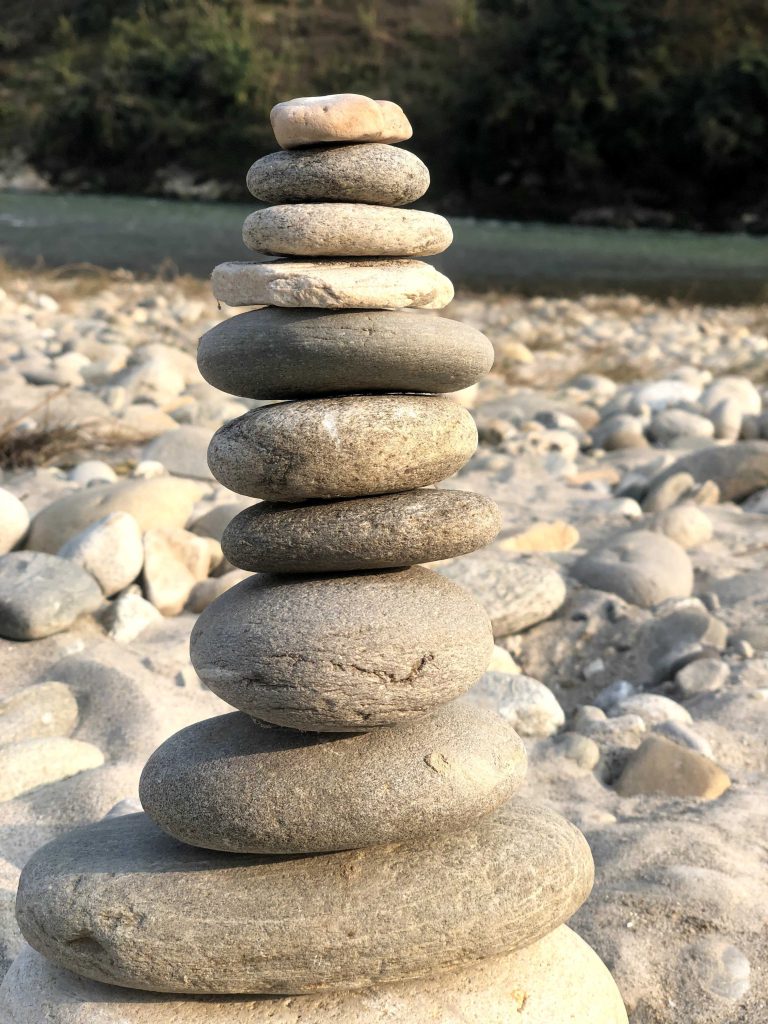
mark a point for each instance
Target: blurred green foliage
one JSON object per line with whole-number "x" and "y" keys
{"x": 525, "y": 108}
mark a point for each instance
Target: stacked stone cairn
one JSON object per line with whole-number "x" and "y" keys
{"x": 343, "y": 847}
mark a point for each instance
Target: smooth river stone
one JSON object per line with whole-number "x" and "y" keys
{"x": 339, "y": 117}
{"x": 365, "y": 173}
{"x": 383, "y": 532}
{"x": 301, "y": 353}
{"x": 332, "y": 284}
{"x": 345, "y": 230}
{"x": 342, "y": 447}
{"x": 559, "y": 978}
{"x": 342, "y": 653}
{"x": 231, "y": 783}
{"x": 121, "y": 902}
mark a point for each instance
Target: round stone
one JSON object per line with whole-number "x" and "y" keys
{"x": 339, "y": 117}
{"x": 345, "y": 229}
{"x": 332, "y": 284}
{"x": 557, "y": 978}
{"x": 121, "y": 902}
{"x": 342, "y": 653}
{"x": 365, "y": 173}
{"x": 299, "y": 353}
{"x": 383, "y": 532}
{"x": 342, "y": 447}
{"x": 230, "y": 783}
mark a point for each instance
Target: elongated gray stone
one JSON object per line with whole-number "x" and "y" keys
{"x": 342, "y": 653}
{"x": 558, "y": 978}
{"x": 301, "y": 353}
{"x": 231, "y": 783}
{"x": 122, "y": 903}
{"x": 345, "y": 230}
{"x": 342, "y": 447}
{"x": 332, "y": 284}
{"x": 364, "y": 173}
{"x": 382, "y": 532}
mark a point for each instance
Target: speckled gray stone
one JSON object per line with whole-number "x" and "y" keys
{"x": 342, "y": 447}
{"x": 300, "y": 353}
{"x": 41, "y": 594}
{"x": 342, "y": 653}
{"x": 367, "y": 173}
{"x": 382, "y": 532}
{"x": 231, "y": 783}
{"x": 556, "y": 979}
{"x": 344, "y": 230}
{"x": 121, "y": 902}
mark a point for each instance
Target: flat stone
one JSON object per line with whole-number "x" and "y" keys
{"x": 162, "y": 502}
{"x": 642, "y": 567}
{"x": 342, "y": 653}
{"x": 300, "y": 353}
{"x": 110, "y": 549}
{"x": 182, "y": 451}
{"x": 704, "y": 675}
{"x": 382, "y": 532}
{"x": 344, "y": 447}
{"x": 339, "y": 117}
{"x": 660, "y": 766}
{"x": 364, "y": 173}
{"x": 46, "y": 709}
{"x": 332, "y": 284}
{"x": 41, "y": 594}
{"x": 121, "y": 902}
{"x": 31, "y": 763}
{"x": 558, "y": 978}
{"x": 653, "y": 708}
{"x": 344, "y": 230}
{"x": 231, "y": 783}
{"x": 738, "y": 469}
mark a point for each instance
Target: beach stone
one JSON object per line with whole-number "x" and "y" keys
{"x": 685, "y": 736}
{"x": 14, "y": 521}
{"x": 738, "y": 470}
{"x": 11, "y": 942}
{"x": 555, "y": 979}
{"x": 580, "y": 749}
{"x": 205, "y": 592}
{"x": 720, "y": 968}
{"x": 91, "y": 471}
{"x": 516, "y": 592}
{"x": 158, "y": 503}
{"x": 174, "y": 561}
{"x": 122, "y": 903}
{"x": 299, "y": 353}
{"x": 342, "y": 653}
{"x": 345, "y": 230}
{"x": 41, "y": 594}
{"x": 668, "y": 493}
{"x": 662, "y": 767}
{"x": 542, "y": 537}
{"x": 31, "y": 763}
{"x": 128, "y": 616}
{"x": 386, "y": 531}
{"x": 182, "y": 451}
{"x": 686, "y": 524}
{"x": 642, "y": 567}
{"x": 653, "y": 708}
{"x": 351, "y": 446}
{"x": 46, "y": 709}
{"x": 332, "y": 284}
{"x": 110, "y": 550}
{"x": 727, "y": 420}
{"x": 704, "y": 675}
{"x": 213, "y": 522}
{"x": 222, "y": 784}
{"x": 364, "y": 173}
{"x": 619, "y": 430}
{"x": 740, "y": 390}
{"x": 528, "y": 705}
{"x": 669, "y": 424}
{"x": 339, "y": 117}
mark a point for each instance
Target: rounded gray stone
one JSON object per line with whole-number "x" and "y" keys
{"x": 299, "y": 353}
{"x": 738, "y": 469}
{"x": 342, "y": 653}
{"x": 231, "y": 783}
{"x": 42, "y": 594}
{"x": 367, "y": 173}
{"x": 557, "y": 978}
{"x": 121, "y": 902}
{"x": 382, "y": 532}
{"x": 344, "y": 447}
{"x": 345, "y": 229}
{"x": 642, "y": 567}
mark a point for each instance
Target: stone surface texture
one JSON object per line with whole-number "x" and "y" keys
{"x": 41, "y": 594}
{"x": 342, "y": 447}
{"x": 659, "y": 766}
{"x": 342, "y": 653}
{"x": 384, "y": 531}
{"x": 363, "y": 173}
{"x": 302, "y": 353}
{"x": 122, "y": 903}
{"x": 339, "y": 117}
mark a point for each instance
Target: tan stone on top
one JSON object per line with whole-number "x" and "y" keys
{"x": 341, "y": 117}
{"x": 662, "y": 767}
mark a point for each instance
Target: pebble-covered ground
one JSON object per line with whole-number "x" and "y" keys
{"x": 628, "y": 448}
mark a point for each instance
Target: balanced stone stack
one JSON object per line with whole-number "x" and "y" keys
{"x": 346, "y": 846}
